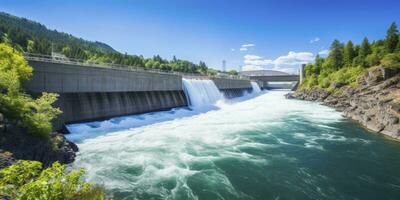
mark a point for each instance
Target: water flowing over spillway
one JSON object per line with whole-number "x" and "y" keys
{"x": 256, "y": 88}
{"x": 266, "y": 147}
{"x": 201, "y": 93}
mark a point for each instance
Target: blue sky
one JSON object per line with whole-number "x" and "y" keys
{"x": 273, "y": 34}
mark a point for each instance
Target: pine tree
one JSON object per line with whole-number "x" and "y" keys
{"x": 392, "y": 38}
{"x": 398, "y": 45}
{"x": 318, "y": 63}
{"x": 335, "y": 56}
{"x": 348, "y": 53}
{"x": 365, "y": 48}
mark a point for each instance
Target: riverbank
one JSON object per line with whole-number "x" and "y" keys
{"x": 16, "y": 144}
{"x": 375, "y": 103}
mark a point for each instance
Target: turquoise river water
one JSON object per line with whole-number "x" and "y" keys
{"x": 258, "y": 147}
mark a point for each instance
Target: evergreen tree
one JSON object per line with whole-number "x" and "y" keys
{"x": 365, "y": 48}
{"x": 318, "y": 63}
{"x": 392, "y": 38}
{"x": 335, "y": 56}
{"x": 398, "y": 45}
{"x": 348, "y": 53}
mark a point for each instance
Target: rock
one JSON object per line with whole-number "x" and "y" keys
{"x": 388, "y": 73}
{"x": 46, "y": 150}
{"x": 394, "y": 120}
{"x": 6, "y": 159}
{"x": 375, "y": 104}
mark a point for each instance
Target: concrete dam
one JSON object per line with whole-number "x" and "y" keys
{"x": 89, "y": 92}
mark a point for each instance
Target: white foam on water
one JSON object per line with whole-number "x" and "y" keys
{"x": 256, "y": 88}
{"x": 163, "y": 145}
{"x": 203, "y": 96}
{"x": 201, "y": 93}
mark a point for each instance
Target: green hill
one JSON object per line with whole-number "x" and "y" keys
{"x": 32, "y": 37}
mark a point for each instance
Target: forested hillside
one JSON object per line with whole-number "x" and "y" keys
{"x": 32, "y": 37}
{"x": 346, "y": 62}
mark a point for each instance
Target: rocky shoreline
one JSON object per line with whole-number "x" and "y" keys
{"x": 375, "y": 103}
{"x": 15, "y": 144}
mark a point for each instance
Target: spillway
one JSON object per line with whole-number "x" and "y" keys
{"x": 201, "y": 93}
{"x": 255, "y": 87}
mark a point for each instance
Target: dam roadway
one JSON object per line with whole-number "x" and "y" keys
{"x": 92, "y": 92}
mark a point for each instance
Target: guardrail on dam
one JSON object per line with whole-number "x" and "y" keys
{"x": 93, "y": 92}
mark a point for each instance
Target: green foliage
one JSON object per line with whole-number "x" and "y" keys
{"x": 212, "y": 72}
{"x": 345, "y": 76}
{"x": 346, "y": 63}
{"x": 35, "y": 115}
{"x": 365, "y": 48}
{"x": 348, "y": 54}
{"x": 363, "y": 52}
{"x": 335, "y": 57}
{"x": 398, "y": 45}
{"x": 391, "y": 61}
{"x": 27, "y": 180}
{"x": 233, "y": 72}
{"x": 392, "y": 38}
{"x": 21, "y": 30}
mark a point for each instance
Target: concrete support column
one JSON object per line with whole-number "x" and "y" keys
{"x": 301, "y": 72}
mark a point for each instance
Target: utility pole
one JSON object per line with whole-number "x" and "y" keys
{"x": 223, "y": 65}
{"x": 52, "y": 50}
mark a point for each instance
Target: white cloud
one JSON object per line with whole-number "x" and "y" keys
{"x": 252, "y": 57}
{"x": 243, "y": 49}
{"x": 287, "y": 63}
{"x": 294, "y": 58}
{"x": 315, "y": 40}
{"x": 248, "y": 45}
{"x": 232, "y": 49}
{"x": 324, "y": 52}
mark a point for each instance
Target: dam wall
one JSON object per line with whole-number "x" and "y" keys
{"x": 232, "y": 88}
{"x": 70, "y": 78}
{"x": 88, "y": 93}
{"x": 91, "y": 92}
{"x": 78, "y": 107}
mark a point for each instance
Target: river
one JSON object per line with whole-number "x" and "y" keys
{"x": 261, "y": 146}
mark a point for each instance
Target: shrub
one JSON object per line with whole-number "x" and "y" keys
{"x": 28, "y": 180}
{"x": 391, "y": 61}
{"x": 33, "y": 115}
{"x": 345, "y": 76}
